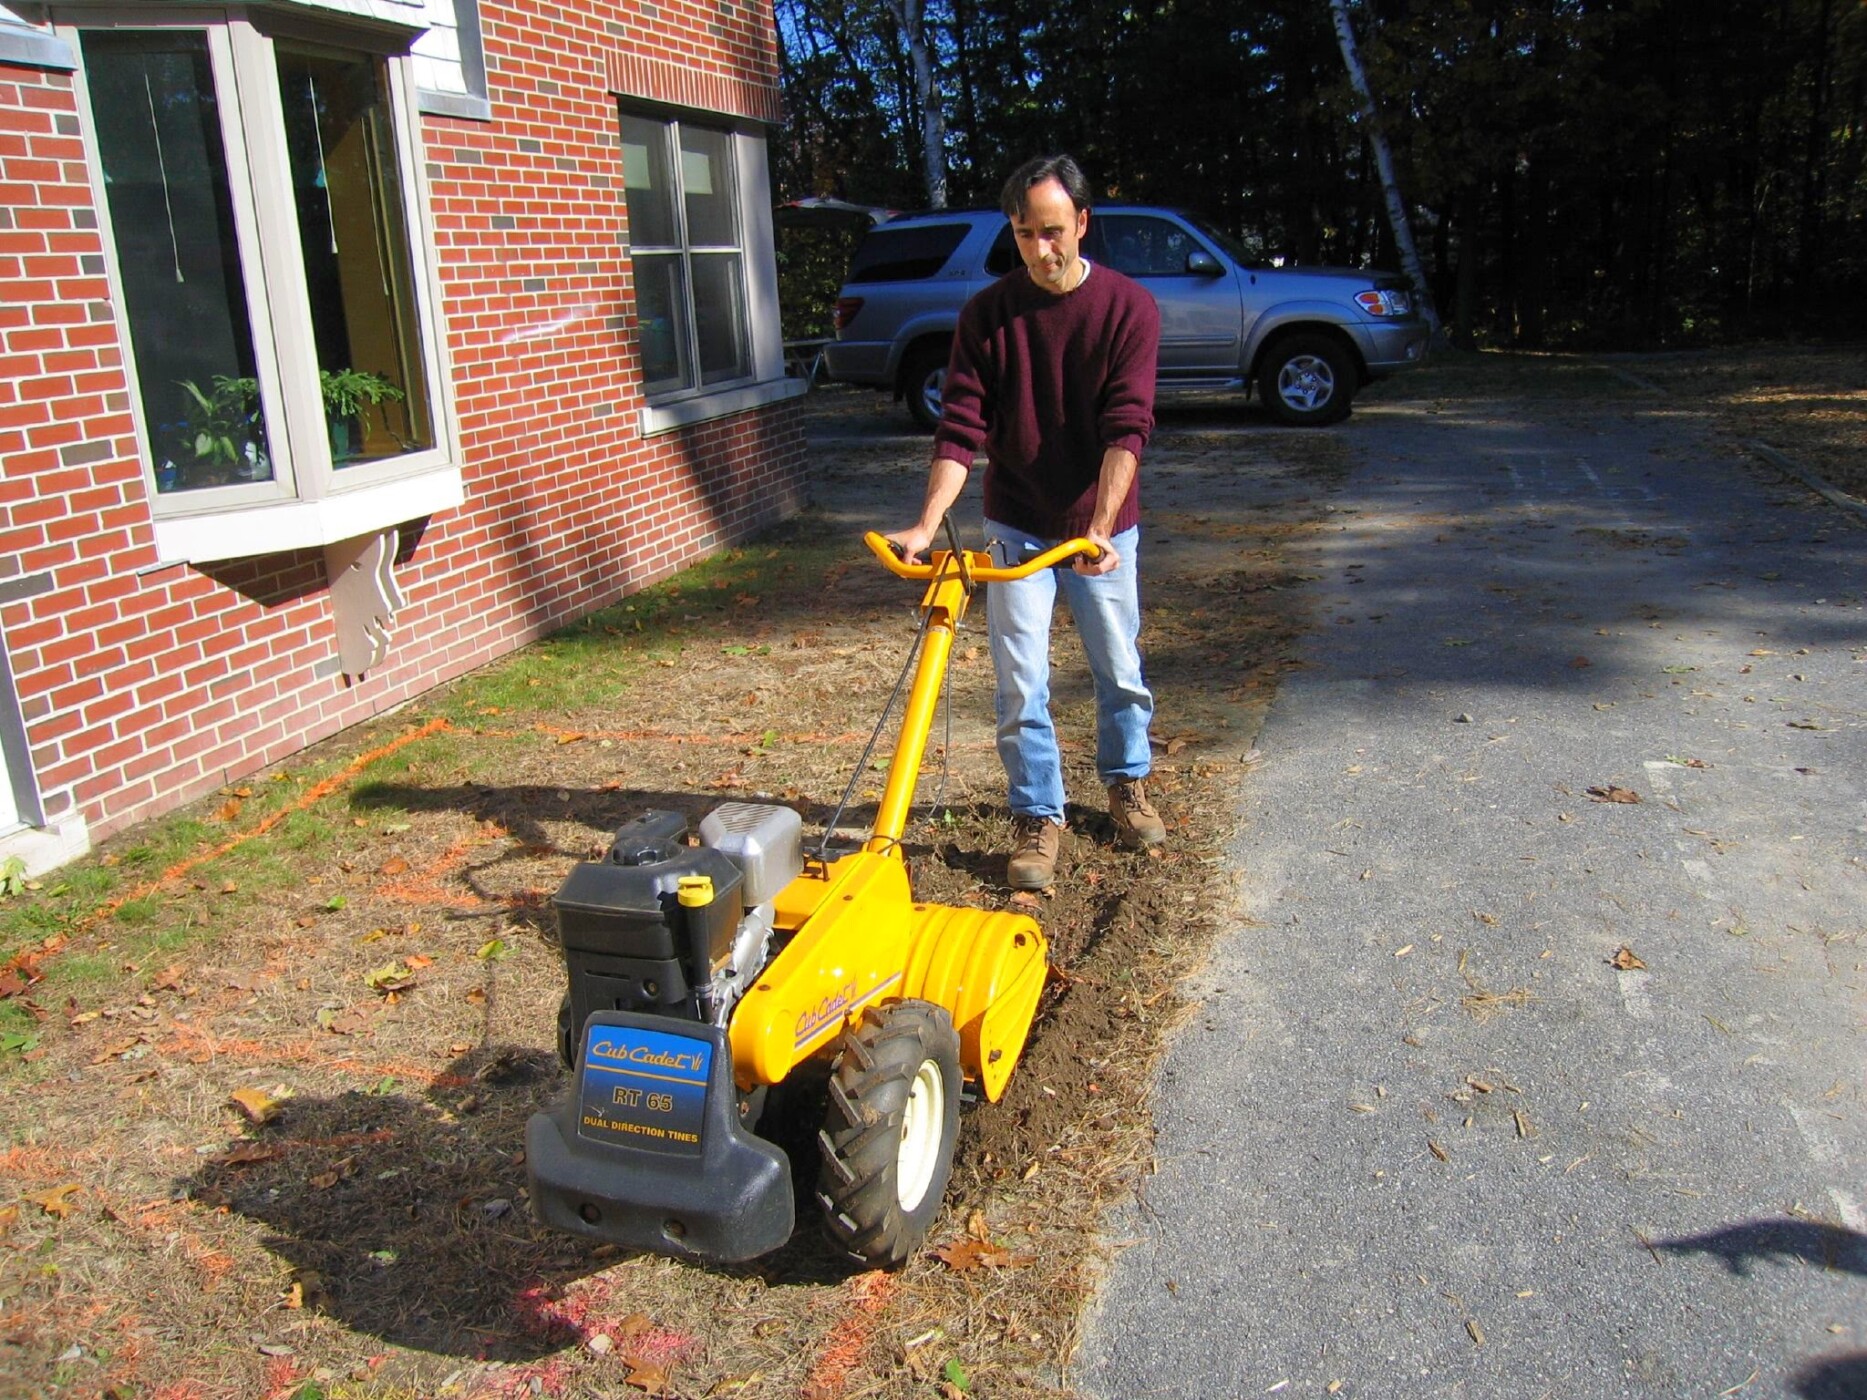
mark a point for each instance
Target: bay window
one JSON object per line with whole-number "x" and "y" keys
{"x": 272, "y": 281}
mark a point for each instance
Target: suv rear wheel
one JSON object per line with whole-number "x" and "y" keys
{"x": 922, "y": 378}
{"x": 1307, "y": 380}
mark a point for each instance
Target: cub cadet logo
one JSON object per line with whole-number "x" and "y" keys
{"x": 642, "y": 1055}
{"x": 831, "y": 1008}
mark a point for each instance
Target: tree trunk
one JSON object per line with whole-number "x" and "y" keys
{"x": 1384, "y": 163}
{"x": 911, "y": 16}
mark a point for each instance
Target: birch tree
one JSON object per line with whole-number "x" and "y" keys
{"x": 911, "y": 16}
{"x": 1384, "y": 163}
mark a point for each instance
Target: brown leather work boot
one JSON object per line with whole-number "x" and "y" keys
{"x": 1033, "y": 863}
{"x": 1136, "y": 821}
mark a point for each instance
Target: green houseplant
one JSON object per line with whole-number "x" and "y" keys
{"x": 222, "y": 434}
{"x": 347, "y": 393}
{"x": 221, "y": 426}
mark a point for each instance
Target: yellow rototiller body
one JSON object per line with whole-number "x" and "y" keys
{"x": 703, "y": 977}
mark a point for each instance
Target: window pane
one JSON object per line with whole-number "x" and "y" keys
{"x": 707, "y": 182}
{"x": 649, "y": 189}
{"x": 165, "y": 178}
{"x": 719, "y": 317}
{"x": 661, "y": 314}
{"x": 910, "y": 254}
{"x": 1144, "y": 247}
{"x": 351, "y": 222}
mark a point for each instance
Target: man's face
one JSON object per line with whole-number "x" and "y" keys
{"x": 1048, "y": 232}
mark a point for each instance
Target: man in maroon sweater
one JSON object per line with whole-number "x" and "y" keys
{"x": 1052, "y": 377}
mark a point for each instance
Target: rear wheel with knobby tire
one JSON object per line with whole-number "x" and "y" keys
{"x": 888, "y": 1131}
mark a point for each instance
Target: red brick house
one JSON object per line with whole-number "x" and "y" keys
{"x": 346, "y": 345}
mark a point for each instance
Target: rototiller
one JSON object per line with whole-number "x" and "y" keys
{"x": 704, "y": 978}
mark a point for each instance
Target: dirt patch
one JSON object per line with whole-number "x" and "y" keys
{"x": 264, "y": 1122}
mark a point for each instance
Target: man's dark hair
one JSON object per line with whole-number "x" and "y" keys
{"x": 1061, "y": 168}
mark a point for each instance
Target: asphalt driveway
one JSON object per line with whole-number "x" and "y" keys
{"x": 1534, "y": 1066}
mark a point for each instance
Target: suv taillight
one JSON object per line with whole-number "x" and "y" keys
{"x": 1385, "y": 301}
{"x": 846, "y": 309}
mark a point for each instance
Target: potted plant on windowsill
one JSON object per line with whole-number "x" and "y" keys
{"x": 347, "y": 393}
{"x": 221, "y": 436}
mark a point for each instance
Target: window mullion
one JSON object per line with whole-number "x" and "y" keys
{"x": 678, "y": 184}
{"x": 285, "y": 346}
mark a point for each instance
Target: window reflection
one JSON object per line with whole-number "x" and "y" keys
{"x": 165, "y": 181}
{"x": 346, "y": 185}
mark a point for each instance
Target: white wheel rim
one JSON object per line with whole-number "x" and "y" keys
{"x": 931, "y": 388}
{"x": 923, "y": 1124}
{"x": 1306, "y": 382}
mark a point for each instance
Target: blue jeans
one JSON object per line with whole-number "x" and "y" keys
{"x": 1107, "y": 611}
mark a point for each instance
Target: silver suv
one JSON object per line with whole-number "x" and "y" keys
{"x": 1307, "y": 337}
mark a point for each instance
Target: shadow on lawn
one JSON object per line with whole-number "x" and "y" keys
{"x": 405, "y": 1217}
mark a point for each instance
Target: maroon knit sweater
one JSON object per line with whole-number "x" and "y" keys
{"x": 1044, "y": 384}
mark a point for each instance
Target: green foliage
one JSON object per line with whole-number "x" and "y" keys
{"x": 347, "y": 392}
{"x": 221, "y": 421}
{"x": 12, "y": 877}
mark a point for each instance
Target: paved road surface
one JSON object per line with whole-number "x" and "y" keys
{"x": 1424, "y": 1137}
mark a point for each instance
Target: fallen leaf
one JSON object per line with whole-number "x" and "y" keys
{"x": 9, "y": 1217}
{"x": 116, "y": 1048}
{"x": 634, "y": 1325}
{"x": 395, "y": 865}
{"x": 651, "y": 1379}
{"x": 416, "y": 960}
{"x": 1437, "y": 1150}
{"x": 977, "y": 1227}
{"x": 246, "y": 1154}
{"x": 228, "y": 812}
{"x": 732, "y": 1385}
{"x": 168, "y": 980}
{"x": 340, "y": 1022}
{"x": 390, "y": 977}
{"x": 1608, "y": 792}
{"x": 1477, "y": 1332}
{"x": 256, "y": 1104}
{"x": 964, "y": 1255}
{"x": 1625, "y": 960}
{"x": 1580, "y": 663}
{"x": 57, "y": 1201}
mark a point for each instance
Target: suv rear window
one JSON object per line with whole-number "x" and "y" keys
{"x": 905, "y": 254}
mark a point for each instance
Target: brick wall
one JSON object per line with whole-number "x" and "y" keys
{"x": 143, "y": 686}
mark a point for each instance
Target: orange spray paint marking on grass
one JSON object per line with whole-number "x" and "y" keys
{"x": 317, "y": 792}
{"x": 829, "y": 1374}
{"x": 425, "y": 888}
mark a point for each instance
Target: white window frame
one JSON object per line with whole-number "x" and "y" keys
{"x": 309, "y": 503}
{"x": 767, "y": 383}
